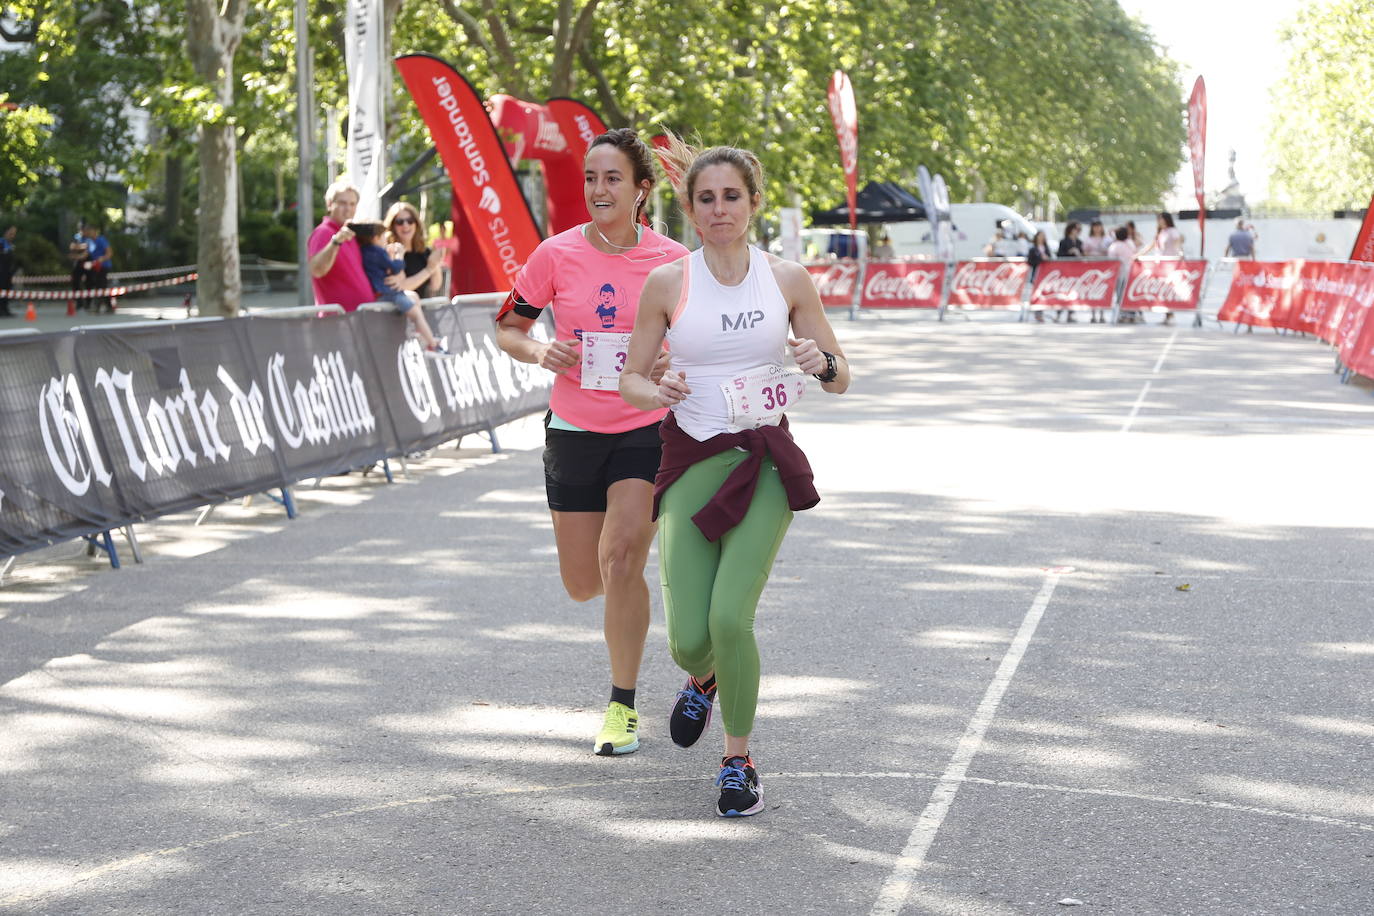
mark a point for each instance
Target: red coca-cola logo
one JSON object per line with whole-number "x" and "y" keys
{"x": 1175, "y": 286}
{"x": 914, "y": 285}
{"x": 1090, "y": 286}
{"x": 999, "y": 281}
{"x": 836, "y": 280}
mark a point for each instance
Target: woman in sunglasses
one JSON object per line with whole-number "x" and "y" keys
{"x": 424, "y": 266}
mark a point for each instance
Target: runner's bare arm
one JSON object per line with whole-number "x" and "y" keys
{"x": 813, "y": 335}
{"x": 513, "y": 336}
{"x": 656, "y": 302}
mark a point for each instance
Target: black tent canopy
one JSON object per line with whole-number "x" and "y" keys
{"x": 876, "y": 202}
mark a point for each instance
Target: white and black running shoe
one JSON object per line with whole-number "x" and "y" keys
{"x": 740, "y": 792}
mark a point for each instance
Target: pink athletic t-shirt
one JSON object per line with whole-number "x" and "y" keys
{"x": 590, "y": 290}
{"x": 345, "y": 284}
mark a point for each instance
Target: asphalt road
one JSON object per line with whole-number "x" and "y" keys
{"x": 1084, "y": 615}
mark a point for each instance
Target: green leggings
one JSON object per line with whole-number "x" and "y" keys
{"x": 710, "y": 590}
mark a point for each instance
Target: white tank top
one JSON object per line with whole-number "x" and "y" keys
{"x": 717, "y": 332}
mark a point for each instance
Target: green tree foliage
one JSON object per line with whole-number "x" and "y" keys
{"x": 24, "y": 135}
{"x": 1323, "y": 112}
{"x": 1006, "y": 100}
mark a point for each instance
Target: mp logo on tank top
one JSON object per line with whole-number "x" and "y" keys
{"x": 740, "y": 321}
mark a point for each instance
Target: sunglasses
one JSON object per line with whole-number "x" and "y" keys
{"x": 403, "y": 221}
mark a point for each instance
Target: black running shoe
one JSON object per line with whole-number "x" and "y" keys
{"x": 691, "y": 713}
{"x": 740, "y": 792}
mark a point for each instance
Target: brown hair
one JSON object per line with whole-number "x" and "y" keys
{"x": 641, "y": 160}
{"x": 417, "y": 241}
{"x": 684, "y": 164}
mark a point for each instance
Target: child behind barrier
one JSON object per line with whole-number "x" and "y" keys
{"x": 378, "y": 264}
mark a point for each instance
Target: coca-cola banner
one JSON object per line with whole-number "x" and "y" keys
{"x": 989, "y": 284}
{"x": 1075, "y": 284}
{"x": 103, "y": 427}
{"x": 902, "y": 284}
{"x": 1358, "y": 351}
{"x": 835, "y": 281}
{"x": 1163, "y": 285}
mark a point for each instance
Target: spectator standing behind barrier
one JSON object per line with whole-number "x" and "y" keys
{"x": 1097, "y": 242}
{"x": 1071, "y": 246}
{"x": 78, "y": 252}
{"x": 380, "y": 265}
{"x": 1038, "y": 253}
{"x": 1240, "y": 244}
{"x": 447, "y": 244}
{"x": 884, "y": 250}
{"x": 336, "y": 264}
{"x": 1121, "y": 250}
{"x": 1133, "y": 236}
{"x": 98, "y": 264}
{"x": 1168, "y": 241}
{"x": 423, "y": 265}
{"x": 7, "y": 268}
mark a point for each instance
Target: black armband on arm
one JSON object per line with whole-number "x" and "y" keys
{"x": 516, "y": 303}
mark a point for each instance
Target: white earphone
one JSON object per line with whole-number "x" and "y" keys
{"x": 638, "y": 198}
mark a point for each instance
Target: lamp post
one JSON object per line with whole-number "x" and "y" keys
{"x": 304, "y": 205}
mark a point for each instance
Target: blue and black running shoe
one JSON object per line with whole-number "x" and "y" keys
{"x": 691, "y": 713}
{"x": 740, "y": 792}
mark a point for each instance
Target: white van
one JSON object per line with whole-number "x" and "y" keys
{"x": 974, "y": 225}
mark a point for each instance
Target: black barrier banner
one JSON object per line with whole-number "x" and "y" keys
{"x": 183, "y": 414}
{"x": 433, "y": 400}
{"x": 323, "y": 396}
{"x": 55, "y": 483}
{"x": 106, "y": 426}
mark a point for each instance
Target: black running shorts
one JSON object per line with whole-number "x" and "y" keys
{"x": 580, "y": 466}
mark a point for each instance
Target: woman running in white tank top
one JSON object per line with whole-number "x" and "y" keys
{"x": 731, "y": 474}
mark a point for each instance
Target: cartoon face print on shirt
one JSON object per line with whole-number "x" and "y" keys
{"x": 606, "y": 300}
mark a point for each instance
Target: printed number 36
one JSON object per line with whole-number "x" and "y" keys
{"x": 774, "y": 397}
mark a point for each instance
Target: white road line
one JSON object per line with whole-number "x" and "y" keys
{"x": 1135, "y": 408}
{"x": 1167, "y": 347}
{"x": 895, "y": 890}
{"x": 1159, "y": 363}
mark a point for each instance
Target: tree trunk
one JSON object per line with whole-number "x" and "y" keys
{"x": 215, "y": 30}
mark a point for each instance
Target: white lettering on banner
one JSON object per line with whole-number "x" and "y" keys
{"x": 1003, "y": 281}
{"x": 837, "y": 281}
{"x": 331, "y": 406}
{"x": 1175, "y": 286}
{"x": 549, "y": 136}
{"x": 479, "y": 373}
{"x": 416, "y": 387}
{"x": 1090, "y": 286}
{"x": 248, "y": 413}
{"x": 916, "y": 285}
{"x": 69, "y": 437}
{"x": 584, "y": 129}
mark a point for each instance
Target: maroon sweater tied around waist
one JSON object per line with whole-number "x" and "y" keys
{"x": 728, "y": 506}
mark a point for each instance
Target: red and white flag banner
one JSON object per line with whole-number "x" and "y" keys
{"x": 1358, "y": 350}
{"x": 491, "y": 217}
{"x": 1197, "y": 146}
{"x": 902, "y": 284}
{"x": 835, "y": 281}
{"x": 844, "y": 112}
{"x": 1164, "y": 286}
{"x": 1364, "y": 242}
{"x": 989, "y": 284}
{"x": 1075, "y": 284}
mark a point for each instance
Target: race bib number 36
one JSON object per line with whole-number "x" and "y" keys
{"x": 603, "y": 357}
{"x": 762, "y": 395}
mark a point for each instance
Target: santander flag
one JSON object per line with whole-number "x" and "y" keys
{"x": 1364, "y": 242}
{"x": 845, "y": 113}
{"x": 1197, "y": 145}
{"x": 491, "y": 216}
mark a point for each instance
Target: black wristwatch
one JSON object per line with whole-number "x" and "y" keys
{"x": 831, "y": 369}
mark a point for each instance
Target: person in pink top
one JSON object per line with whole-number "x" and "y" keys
{"x": 600, "y": 454}
{"x": 336, "y": 264}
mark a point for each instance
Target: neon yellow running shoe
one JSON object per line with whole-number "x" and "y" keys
{"x": 619, "y": 732}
